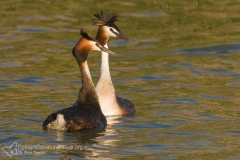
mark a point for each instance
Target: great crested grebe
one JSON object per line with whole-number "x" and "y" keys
{"x": 86, "y": 112}
{"x": 110, "y": 104}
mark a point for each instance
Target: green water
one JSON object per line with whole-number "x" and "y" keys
{"x": 181, "y": 71}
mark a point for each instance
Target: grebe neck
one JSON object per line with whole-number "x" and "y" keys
{"x": 102, "y": 36}
{"x": 105, "y": 71}
{"x": 104, "y": 39}
{"x": 87, "y": 96}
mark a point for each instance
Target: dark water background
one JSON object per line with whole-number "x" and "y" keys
{"x": 181, "y": 71}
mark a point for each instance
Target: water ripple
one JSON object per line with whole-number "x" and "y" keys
{"x": 5, "y": 86}
{"x": 6, "y": 47}
{"x": 216, "y": 49}
{"x": 9, "y": 139}
{"x": 11, "y": 64}
{"x": 209, "y": 117}
{"x": 146, "y": 125}
{"x": 153, "y": 77}
{"x": 33, "y": 30}
{"x": 30, "y": 80}
{"x": 147, "y": 14}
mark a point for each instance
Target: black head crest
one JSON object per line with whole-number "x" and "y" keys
{"x": 85, "y": 35}
{"x": 107, "y": 19}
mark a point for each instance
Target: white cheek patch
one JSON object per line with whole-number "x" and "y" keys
{"x": 94, "y": 46}
{"x": 109, "y": 32}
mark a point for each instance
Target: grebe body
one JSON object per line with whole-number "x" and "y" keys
{"x": 110, "y": 104}
{"x": 86, "y": 112}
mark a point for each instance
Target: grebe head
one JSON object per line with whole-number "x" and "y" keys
{"x": 86, "y": 44}
{"x": 107, "y": 23}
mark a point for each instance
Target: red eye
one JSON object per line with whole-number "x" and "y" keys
{"x": 97, "y": 44}
{"x": 111, "y": 29}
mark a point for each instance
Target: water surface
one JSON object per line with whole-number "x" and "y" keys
{"x": 181, "y": 71}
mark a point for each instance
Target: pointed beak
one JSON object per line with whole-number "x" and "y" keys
{"x": 122, "y": 36}
{"x": 106, "y": 50}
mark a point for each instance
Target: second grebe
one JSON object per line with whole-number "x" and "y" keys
{"x": 110, "y": 104}
{"x": 86, "y": 112}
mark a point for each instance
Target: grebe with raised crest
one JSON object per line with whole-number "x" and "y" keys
{"x": 86, "y": 112}
{"x": 110, "y": 104}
